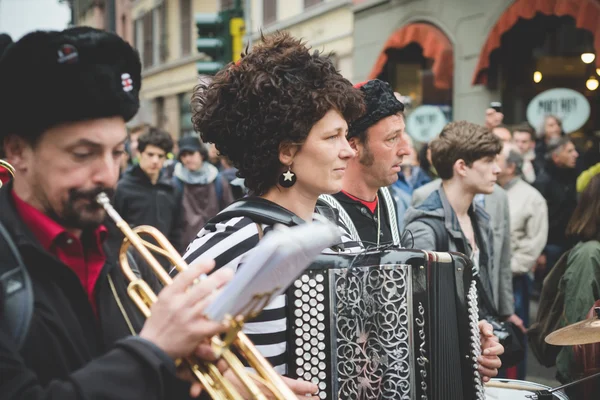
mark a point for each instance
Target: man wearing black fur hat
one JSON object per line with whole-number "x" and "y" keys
{"x": 365, "y": 204}
{"x": 378, "y": 140}
{"x": 65, "y": 97}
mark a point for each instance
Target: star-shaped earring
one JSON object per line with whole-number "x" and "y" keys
{"x": 287, "y": 179}
{"x": 287, "y": 176}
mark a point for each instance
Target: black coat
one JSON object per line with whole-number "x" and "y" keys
{"x": 142, "y": 203}
{"x": 69, "y": 353}
{"x": 558, "y": 186}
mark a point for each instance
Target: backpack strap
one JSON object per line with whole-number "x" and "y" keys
{"x": 259, "y": 211}
{"x": 342, "y": 214}
{"x": 388, "y": 203}
{"x": 16, "y": 291}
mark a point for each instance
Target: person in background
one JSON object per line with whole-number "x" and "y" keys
{"x": 132, "y": 142}
{"x": 144, "y": 196}
{"x": 581, "y": 280}
{"x": 528, "y": 234}
{"x": 465, "y": 157}
{"x": 524, "y": 139}
{"x": 493, "y": 118}
{"x": 586, "y": 176}
{"x": 552, "y": 130}
{"x": 410, "y": 178}
{"x": 238, "y": 189}
{"x": 425, "y": 162}
{"x": 557, "y": 183}
{"x": 213, "y": 156}
{"x": 202, "y": 189}
{"x": 503, "y": 133}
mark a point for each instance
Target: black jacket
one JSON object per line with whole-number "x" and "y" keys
{"x": 142, "y": 203}
{"x": 69, "y": 353}
{"x": 558, "y": 186}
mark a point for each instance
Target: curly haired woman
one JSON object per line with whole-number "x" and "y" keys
{"x": 281, "y": 116}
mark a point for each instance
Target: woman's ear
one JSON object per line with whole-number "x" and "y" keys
{"x": 287, "y": 152}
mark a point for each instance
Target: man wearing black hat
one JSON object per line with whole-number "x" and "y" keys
{"x": 65, "y": 98}
{"x": 378, "y": 139}
{"x": 204, "y": 192}
{"x": 365, "y": 204}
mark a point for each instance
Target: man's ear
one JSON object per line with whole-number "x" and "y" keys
{"x": 460, "y": 167}
{"x": 16, "y": 149}
{"x": 287, "y": 152}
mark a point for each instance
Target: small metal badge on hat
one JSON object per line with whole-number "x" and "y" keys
{"x": 67, "y": 54}
{"x": 127, "y": 82}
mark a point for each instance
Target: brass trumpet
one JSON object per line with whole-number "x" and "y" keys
{"x": 8, "y": 167}
{"x": 217, "y": 386}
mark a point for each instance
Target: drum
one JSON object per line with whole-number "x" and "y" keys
{"x": 516, "y": 390}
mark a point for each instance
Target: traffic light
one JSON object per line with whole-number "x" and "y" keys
{"x": 221, "y": 37}
{"x": 214, "y": 40}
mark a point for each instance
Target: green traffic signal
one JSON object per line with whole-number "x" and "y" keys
{"x": 214, "y": 40}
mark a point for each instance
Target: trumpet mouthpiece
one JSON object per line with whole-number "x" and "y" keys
{"x": 102, "y": 199}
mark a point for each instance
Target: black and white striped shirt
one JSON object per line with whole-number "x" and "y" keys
{"x": 227, "y": 243}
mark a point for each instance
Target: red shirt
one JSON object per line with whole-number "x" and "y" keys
{"x": 5, "y": 176}
{"x": 86, "y": 261}
{"x": 371, "y": 205}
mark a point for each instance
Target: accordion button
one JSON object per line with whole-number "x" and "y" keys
{"x": 319, "y": 278}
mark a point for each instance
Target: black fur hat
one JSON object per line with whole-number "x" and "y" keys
{"x": 5, "y": 41}
{"x": 381, "y": 103}
{"x": 51, "y": 77}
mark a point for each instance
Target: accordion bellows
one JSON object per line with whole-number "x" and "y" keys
{"x": 397, "y": 324}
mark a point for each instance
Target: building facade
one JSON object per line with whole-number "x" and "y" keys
{"x": 165, "y": 36}
{"x": 325, "y": 25}
{"x": 458, "y": 56}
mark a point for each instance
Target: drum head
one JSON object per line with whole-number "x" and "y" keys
{"x": 511, "y": 393}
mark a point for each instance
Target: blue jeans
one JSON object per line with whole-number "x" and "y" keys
{"x": 521, "y": 291}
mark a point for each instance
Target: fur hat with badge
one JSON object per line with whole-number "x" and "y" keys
{"x": 49, "y": 77}
{"x": 381, "y": 103}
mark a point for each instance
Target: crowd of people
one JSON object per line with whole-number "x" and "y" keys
{"x": 282, "y": 126}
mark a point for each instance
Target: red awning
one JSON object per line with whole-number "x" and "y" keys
{"x": 585, "y": 12}
{"x": 435, "y": 44}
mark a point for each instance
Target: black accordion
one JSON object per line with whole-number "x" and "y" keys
{"x": 393, "y": 324}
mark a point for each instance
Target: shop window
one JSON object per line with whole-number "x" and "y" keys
{"x": 540, "y": 54}
{"x": 310, "y": 3}
{"x": 269, "y": 11}
{"x": 410, "y": 74}
{"x": 185, "y": 17}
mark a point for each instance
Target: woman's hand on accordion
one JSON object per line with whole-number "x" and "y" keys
{"x": 491, "y": 349}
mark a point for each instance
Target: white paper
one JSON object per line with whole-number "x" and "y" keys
{"x": 272, "y": 266}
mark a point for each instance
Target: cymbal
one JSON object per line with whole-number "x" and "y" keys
{"x": 583, "y": 332}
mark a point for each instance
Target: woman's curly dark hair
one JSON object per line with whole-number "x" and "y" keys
{"x": 272, "y": 96}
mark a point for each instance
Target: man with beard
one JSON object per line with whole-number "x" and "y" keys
{"x": 86, "y": 339}
{"x": 365, "y": 204}
{"x": 378, "y": 140}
